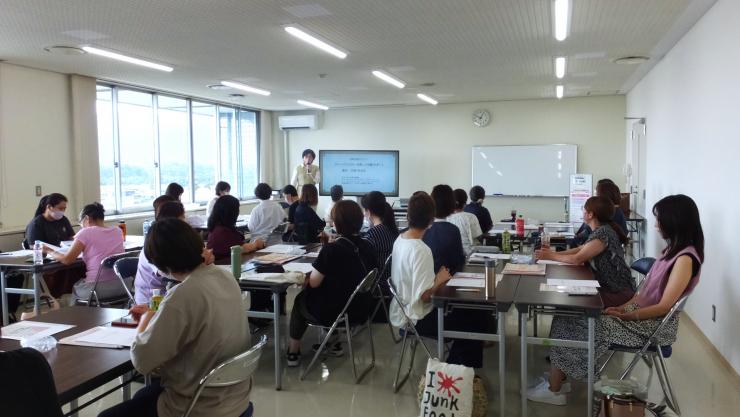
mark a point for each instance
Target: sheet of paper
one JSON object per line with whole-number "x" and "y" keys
{"x": 311, "y": 255}
{"x": 474, "y": 275}
{"x": 549, "y": 262}
{"x": 524, "y": 269}
{"x": 275, "y": 258}
{"x": 26, "y": 329}
{"x": 111, "y": 336}
{"x": 504, "y": 256}
{"x": 18, "y": 253}
{"x": 573, "y": 283}
{"x": 285, "y": 249}
{"x": 303, "y": 267}
{"x": 570, "y": 290}
{"x": 466, "y": 282}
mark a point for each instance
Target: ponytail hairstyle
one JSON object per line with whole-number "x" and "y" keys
{"x": 461, "y": 197}
{"x": 49, "y": 200}
{"x": 376, "y": 204}
{"x": 603, "y": 209}
{"x": 678, "y": 218}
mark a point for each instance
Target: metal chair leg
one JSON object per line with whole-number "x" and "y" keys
{"x": 606, "y": 362}
{"x": 661, "y": 369}
{"x": 371, "y": 365}
{"x": 351, "y": 353}
{"x": 396, "y": 383}
{"x": 395, "y": 338}
{"x": 321, "y": 347}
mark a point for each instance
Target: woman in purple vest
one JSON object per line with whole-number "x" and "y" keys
{"x": 674, "y": 274}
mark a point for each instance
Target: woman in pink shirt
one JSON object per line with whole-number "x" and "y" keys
{"x": 95, "y": 242}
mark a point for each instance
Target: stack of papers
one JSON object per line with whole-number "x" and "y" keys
{"x": 524, "y": 269}
{"x": 32, "y": 329}
{"x": 572, "y": 286}
{"x": 101, "y": 336}
{"x": 304, "y": 267}
{"x": 480, "y": 257}
{"x": 25, "y": 254}
{"x": 276, "y": 258}
{"x": 284, "y": 249}
{"x": 311, "y": 255}
{"x": 467, "y": 279}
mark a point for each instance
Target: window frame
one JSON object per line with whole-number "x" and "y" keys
{"x": 244, "y": 195}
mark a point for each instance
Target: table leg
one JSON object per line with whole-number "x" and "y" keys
{"x": 591, "y": 364}
{"x": 72, "y": 406}
{"x": 278, "y": 352}
{"x": 440, "y": 329}
{"x": 4, "y": 295}
{"x": 126, "y": 389}
{"x": 37, "y": 277}
{"x": 502, "y": 362}
{"x": 523, "y": 340}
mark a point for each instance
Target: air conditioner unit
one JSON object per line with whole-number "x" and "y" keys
{"x": 298, "y": 121}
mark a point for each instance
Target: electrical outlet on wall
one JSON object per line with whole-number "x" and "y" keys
{"x": 38, "y": 191}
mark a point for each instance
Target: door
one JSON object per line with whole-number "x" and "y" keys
{"x": 637, "y": 162}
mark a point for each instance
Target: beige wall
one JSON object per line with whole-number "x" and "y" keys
{"x": 435, "y": 142}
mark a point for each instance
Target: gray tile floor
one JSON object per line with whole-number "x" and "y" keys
{"x": 703, "y": 384}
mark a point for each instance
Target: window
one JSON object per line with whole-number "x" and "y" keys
{"x": 148, "y": 140}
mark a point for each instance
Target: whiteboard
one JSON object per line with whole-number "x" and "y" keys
{"x": 525, "y": 170}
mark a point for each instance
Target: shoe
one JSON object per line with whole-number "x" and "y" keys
{"x": 336, "y": 349}
{"x": 294, "y": 359}
{"x": 542, "y": 394}
{"x": 564, "y": 388}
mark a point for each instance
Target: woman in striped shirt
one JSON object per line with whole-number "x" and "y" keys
{"x": 384, "y": 230}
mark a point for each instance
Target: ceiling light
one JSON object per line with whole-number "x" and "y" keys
{"x": 561, "y": 18}
{"x": 218, "y": 87}
{"x": 314, "y": 105}
{"x": 631, "y": 60}
{"x": 64, "y": 50}
{"x": 389, "y": 79}
{"x": 244, "y": 87}
{"x": 559, "y": 91}
{"x": 125, "y": 58}
{"x": 560, "y": 67}
{"x": 310, "y": 39}
{"x": 428, "y": 99}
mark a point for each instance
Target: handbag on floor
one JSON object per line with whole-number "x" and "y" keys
{"x": 622, "y": 406}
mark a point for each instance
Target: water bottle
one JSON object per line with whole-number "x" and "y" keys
{"x": 38, "y": 253}
{"x": 506, "y": 242}
{"x": 155, "y": 300}
{"x": 236, "y": 261}
{"x": 490, "y": 276}
{"x": 122, "y": 226}
{"x": 520, "y": 226}
{"x": 145, "y": 226}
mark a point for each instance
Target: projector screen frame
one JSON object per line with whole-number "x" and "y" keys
{"x": 365, "y": 151}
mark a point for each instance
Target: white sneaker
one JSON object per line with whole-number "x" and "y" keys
{"x": 542, "y": 394}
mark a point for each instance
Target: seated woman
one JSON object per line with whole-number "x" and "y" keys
{"x": 412, "y": 274}
{"x": 222, "y": 233}
{"x": 222, "y": 188}
{"x": 384, "y": 230}
{"x": 199, "y": 324}
{"x": 95, "y": 242}
{"x": 49, "y": 223}
{"x": 174, "y": 190}
{"x": 604, "y": 188}
{"x": 443, "y": 237}
{"x": 477, "y": 195}
{"x": 468, "y": 224}
{"x": 341, "y": 265}
{"x": 308, "y": 224}
{"x": 603, "y": 252}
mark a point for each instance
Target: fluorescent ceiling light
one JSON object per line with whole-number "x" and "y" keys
{"x": 314, "y": 105}
{"x": 561, "y": 18}
{"x": 124, "y": 58}
{"x": 428, "y": 99}
{"x": 310, "y": 39}
{"x": 559, "y": 91}
{"x": 560, "y": 67}
{"x": 247, "y": 88}
{"x": 389, "y": 79}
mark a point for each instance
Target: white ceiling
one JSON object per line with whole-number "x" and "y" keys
{"x": 472, "y": 50}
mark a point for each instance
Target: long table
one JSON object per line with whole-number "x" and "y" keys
{"x": 530, "y": 300}
{"x": 448, "y": 298}
{"x": 11, "y": 263}
{"x": 78, "y": 370}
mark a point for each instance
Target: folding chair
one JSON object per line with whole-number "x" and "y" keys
{"x": 408, "y": 328}
{"x": 343, "y": 321}
{"x": 107, "y": 264}
{"x": 642, "y": 266}
{"x": 383, "y": 277}
{"x": 232, "y": 371}
{"x": 654, "y": 356}
{"x": 126, "y": 268}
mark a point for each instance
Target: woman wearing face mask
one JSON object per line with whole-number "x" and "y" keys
{"x": 307, "y": 172}
{"x": 49, "y": 224}
{"x": 95, "y": 242}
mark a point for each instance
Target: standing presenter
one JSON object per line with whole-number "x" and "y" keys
{"x": 306, "y": 173}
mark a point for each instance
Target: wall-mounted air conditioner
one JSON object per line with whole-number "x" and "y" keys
{"x": 298, "y": 121}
